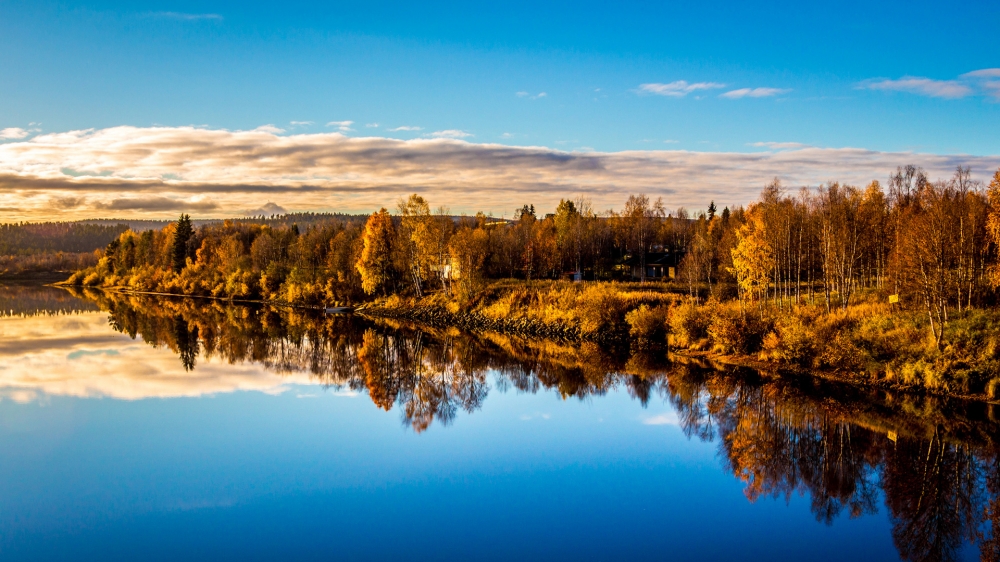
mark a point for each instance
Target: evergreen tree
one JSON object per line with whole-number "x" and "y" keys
{"x": 178, "y": 249}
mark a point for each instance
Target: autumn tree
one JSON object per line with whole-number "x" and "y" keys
{"x": 416, "y": 238}
{"x": 469, "y": 250}
{"x": 753, "y": 258}
{"x": 841, "y": 232}
{"x": 569, "y": 233}
{"x": 375, "y": 262}
{"x": 641, "y": 220}
{"x": 993, "y": 223}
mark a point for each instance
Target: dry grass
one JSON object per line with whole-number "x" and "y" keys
{"x": 869, "y": 340}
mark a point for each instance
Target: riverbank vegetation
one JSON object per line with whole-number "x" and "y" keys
{"x": 892, "y": 285}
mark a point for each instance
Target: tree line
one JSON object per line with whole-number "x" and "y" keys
{"x": 28, "y": 249}
{"x": 932, "y": 243}
{"x": 18, "y": 239}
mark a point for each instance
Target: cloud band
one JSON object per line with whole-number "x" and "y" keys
{"x": 130, "y": 171}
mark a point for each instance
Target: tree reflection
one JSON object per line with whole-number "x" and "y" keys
{"x": 939, "y": 492}
{"x": 932, "y": 462}
{"x": 187, "y": 342}
{"x": 934, "y": 494}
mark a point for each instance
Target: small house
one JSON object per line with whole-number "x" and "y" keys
{"x": 658, "y": 265}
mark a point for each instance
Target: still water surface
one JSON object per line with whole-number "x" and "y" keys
{"x": 159, "y": 429}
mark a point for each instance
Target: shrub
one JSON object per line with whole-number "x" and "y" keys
{"x": 648, "y": 325}
{"x": 689, "y": 325}
{"x": 842, "y": 353}
{"x": 732, "y": 331}
{"x": 791, "y": 341}
{"x": 601, "y": 309}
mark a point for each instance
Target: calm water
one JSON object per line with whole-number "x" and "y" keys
{"x": 157, "y": 429}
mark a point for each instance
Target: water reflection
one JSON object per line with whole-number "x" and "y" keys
{"x": 28, "y": 299}
{"x": 940, "y": 490}
{"x": 929, "y": 464}
{"x": 429, "y": 375}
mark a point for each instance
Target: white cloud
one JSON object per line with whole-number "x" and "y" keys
{"x": 13, "y": 133}
{"x": 123, "y": 169}
{"x": 778, "y": 145}
{"x": 507, "y": 136}
{"x": 371, "y": 125}
{"x": 983, "y": 73}
{"x": 754, "y": 93}
{"x": 343, "y": 126}
{"x": 986, "y": 80}
{"x": 950, "y": 89}
{"x": 530, "y": 96}
{"x": 301, "y": 123}
{"x": 451, "y": 134}
{"x": 992, "y": 88}
{"x": 405, "y": 128}
{"x": 269, "y": 129}
{"x": 668, "y": 418}
{"x": 185, "y": 17}
{"x": 677, "y": 89}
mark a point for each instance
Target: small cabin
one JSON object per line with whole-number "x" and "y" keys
{"x": 659, "y": 265}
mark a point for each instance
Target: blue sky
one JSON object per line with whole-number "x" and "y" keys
{"x": 889, "y": 77}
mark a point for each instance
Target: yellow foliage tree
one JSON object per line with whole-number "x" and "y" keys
{"x": 753, "y": 258}
{"x": 375, "y": 263}
{"x": 469, "y": 247}
{"x": 993, "y": 223}
{"x": 417, "y": 238}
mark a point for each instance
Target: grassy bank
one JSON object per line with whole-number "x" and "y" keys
{"x": 598, "y": 312}
{"x": 868, "y": 343}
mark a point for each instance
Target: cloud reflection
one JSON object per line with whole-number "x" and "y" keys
{"x": 80, "y": 356}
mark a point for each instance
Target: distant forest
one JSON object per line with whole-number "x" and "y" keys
{"x": 24, "y": 239}
{"x": 39, "y": 248}
{"x": 28, "y": 249}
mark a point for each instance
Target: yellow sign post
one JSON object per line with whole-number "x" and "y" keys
{"x": 893, "y": 299}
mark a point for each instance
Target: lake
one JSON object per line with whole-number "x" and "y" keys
{"x": 139, "y": 428}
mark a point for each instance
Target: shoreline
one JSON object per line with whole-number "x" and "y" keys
{"x": 439, "y": 320}
{"x": 439, "y": 317}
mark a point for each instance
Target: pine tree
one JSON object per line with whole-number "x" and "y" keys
{"x": 182, "y": 234}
